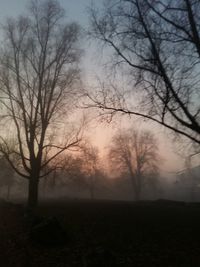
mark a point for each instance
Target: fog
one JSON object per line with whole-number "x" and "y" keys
{"x": 64, "y": 185}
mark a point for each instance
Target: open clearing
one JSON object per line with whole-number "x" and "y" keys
{"x": 106, "y": 233}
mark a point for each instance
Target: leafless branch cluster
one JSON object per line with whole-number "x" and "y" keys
{"x": 159, "y": 43}
{"x": 38, "y": 78}
{"x": 135, "y": 153}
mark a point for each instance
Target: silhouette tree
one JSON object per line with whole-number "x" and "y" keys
{"x": 38, "y": 74}
{"x": 90, "y": 166}
{"x": 158, "y": 45}
{"x": 83, "y": 169}
{"x": 134, "y": 153}
{"x": 70, "y": 174}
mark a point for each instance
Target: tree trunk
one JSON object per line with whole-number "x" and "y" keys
{"x": 92, "y": 188}
{"x": 33, "y": 193}
{"x": 91, "y": 193}
{"x": 8, "y": 192}
{"x": 137, "y": 194}
{"x": 136, "y": 188}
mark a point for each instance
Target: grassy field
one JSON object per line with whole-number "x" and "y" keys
{"x": 106, "y": 233}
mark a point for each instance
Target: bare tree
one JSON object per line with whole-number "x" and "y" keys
{"x": 136, "y": 154}
{"x": 158, "y": 45}
{"x": 38, "y": 77}
{"x": 83, "y": 169}
{"x": 90, "y": 166}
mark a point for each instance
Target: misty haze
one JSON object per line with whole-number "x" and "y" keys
{"x": 100, "y": 133}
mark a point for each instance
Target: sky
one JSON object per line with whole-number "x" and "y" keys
{"x": 76, "y": 11}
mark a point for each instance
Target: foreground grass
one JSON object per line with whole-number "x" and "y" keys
{"x": 106, "y": 233}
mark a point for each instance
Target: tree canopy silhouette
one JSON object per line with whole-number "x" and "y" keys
{"x": 38, "y": 80}
{"x": 135, "y": 153}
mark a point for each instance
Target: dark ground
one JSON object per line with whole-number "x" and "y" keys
{"x": 106, "y": 233}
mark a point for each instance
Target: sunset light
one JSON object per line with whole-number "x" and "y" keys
{"x": 100, "y": 133}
